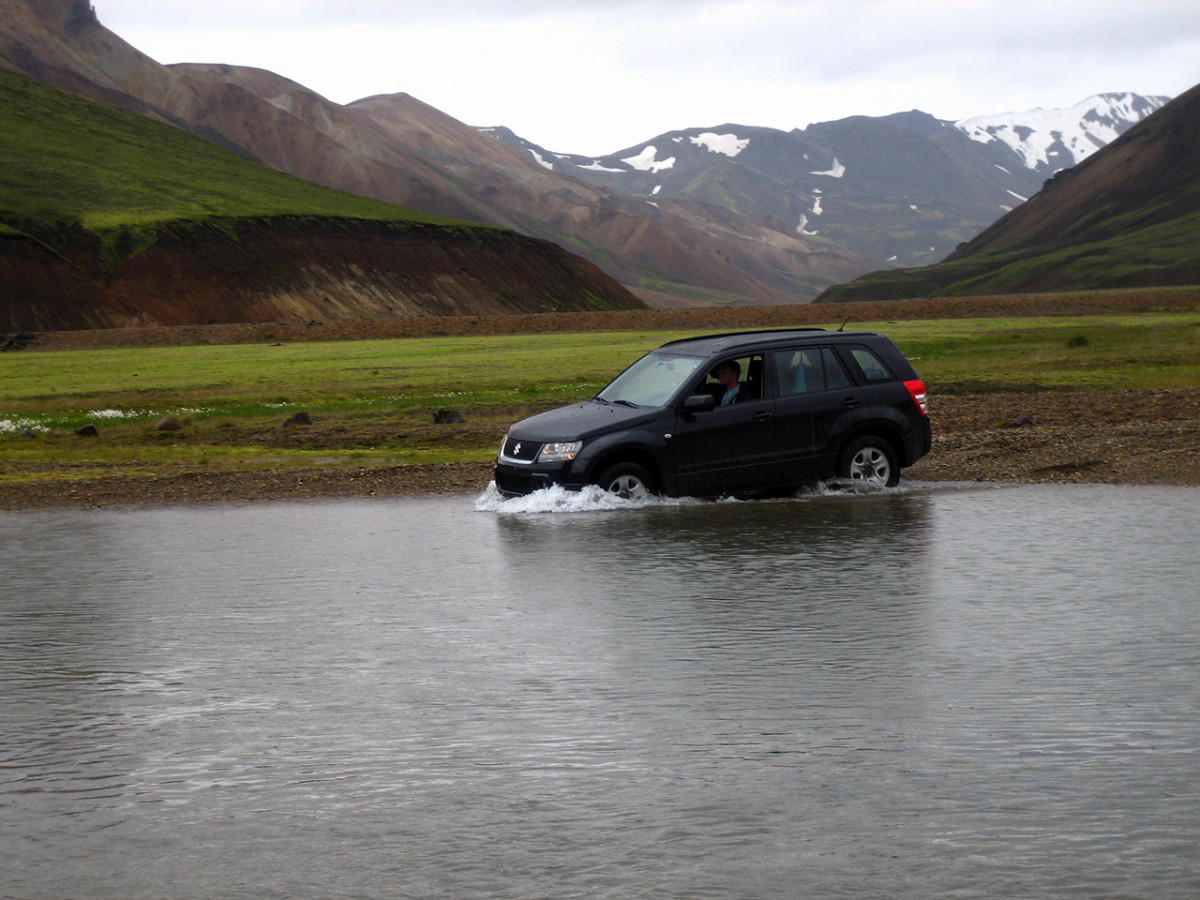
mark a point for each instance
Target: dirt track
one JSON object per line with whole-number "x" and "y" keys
{"x": 1089, "y": 303}
{"x": 1128, "y": 437}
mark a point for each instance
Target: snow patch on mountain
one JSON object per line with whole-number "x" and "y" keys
{"x": 802, "y": 228}
{"x": 725, "y": 144}
{"x": 648, "y": 161}
{"x": 1059, "y": 138}
{"x": 837, "y": 170}
{"x": 596, "y": 166}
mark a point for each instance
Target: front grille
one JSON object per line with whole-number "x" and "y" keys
{"x": 523, "y": 451}
{"x": 510, "y": 483}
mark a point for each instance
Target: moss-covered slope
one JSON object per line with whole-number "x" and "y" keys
{"x": 108, "y": 218}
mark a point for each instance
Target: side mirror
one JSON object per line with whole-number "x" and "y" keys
{"x": 699, "y": 403}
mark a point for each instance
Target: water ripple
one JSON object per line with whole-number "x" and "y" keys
{"x": 952, "y": 691}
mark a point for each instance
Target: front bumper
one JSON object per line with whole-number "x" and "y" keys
{"x": 515, "y": 481}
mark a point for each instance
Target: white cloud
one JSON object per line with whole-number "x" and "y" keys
{"x": 596, "y": 76}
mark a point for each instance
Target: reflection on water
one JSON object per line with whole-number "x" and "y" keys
{"x": 929, "y": 691}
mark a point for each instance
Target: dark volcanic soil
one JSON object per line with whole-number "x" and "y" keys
{"x": 733, "y": 319}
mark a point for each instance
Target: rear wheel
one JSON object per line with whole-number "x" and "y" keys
{"x": 870, "y": 460}
{"x": 629, "y": 480}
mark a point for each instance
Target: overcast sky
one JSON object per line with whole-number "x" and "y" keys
{"x": 596, "y": 76}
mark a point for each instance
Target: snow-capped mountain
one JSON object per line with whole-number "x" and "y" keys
{"x": 1049, "y": 140}
{"x": 1124, "y": 217}
{"x": 904, "y": 189}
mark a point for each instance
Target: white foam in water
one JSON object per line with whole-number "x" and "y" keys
{"x": 591, "y": 498}
{"x": 557, "y": 499}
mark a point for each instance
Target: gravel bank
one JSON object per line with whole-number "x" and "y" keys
{"x": 1117, "y": 437}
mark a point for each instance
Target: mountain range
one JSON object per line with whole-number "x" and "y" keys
{"x": 1126, "y": 216}
{"x": 725, "y": 214}
{"x": 903, "y": 189}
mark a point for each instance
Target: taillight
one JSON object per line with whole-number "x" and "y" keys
{"x": 917, "y": 389}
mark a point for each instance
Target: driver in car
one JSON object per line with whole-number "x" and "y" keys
{"x": 728, "y": 374}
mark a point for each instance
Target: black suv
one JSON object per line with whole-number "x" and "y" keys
{"x": 732, "y": 414}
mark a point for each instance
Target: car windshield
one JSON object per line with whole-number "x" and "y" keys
{"x": 651, "y": 381}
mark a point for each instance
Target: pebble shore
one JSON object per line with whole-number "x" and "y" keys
{"x": 1114, "y": 437}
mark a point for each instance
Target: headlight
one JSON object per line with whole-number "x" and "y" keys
{"x": 560, "y": 452}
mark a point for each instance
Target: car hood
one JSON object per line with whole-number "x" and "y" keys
{"x": 581, "y": 421}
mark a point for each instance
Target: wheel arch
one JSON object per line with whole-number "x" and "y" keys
{"x": 637, "y": 455}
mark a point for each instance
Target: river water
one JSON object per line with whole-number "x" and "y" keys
{"x": 939, "y": 690}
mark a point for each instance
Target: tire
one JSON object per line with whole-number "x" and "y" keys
{"x": 869, "y": 460}
{"x": 628, "y": 480}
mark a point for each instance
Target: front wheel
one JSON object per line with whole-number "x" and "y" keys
{"x": 870, "y": 460}
{"x": 628, "y": 480}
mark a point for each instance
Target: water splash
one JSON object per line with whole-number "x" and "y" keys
{"x": 557, "y": 499}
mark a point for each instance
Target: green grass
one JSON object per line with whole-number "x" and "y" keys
{"x": 372, "y": 401}
{"x": 472, "y": 371}
{"x": 1121, "y": 252}
{"x": 1149, "y": 351}
{"x": 65, "y": 160}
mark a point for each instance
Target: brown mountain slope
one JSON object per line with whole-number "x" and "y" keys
{"x": 373, "y": 146}
{"x": 83, "y": 245}
{"x": 675, "y": 241}
{"x": 62, "y": 43}
{"x": 402, "y": 151}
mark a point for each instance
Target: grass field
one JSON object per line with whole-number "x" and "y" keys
{"x": 372, "y": 401}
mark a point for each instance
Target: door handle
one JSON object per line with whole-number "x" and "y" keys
{"x": 850, "y": 402}
{"x": 762, "y": 415}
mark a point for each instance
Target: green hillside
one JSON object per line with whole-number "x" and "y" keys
{"x": 65, "y": 160}
{"x": 1157, "y": 255}
{"x": 1127, "y": 217}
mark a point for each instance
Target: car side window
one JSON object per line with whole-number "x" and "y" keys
{"x": 835, "y": 373}
{"x": 871, "y": 365}
{"x": 808, "y": 371}
{"x": 747, "y": 372}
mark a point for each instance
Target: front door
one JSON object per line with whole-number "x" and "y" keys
{"x": 730, "y": 447}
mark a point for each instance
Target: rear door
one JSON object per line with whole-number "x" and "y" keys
{"x": 816, "y": 402}
{"x": 882, "y": 389}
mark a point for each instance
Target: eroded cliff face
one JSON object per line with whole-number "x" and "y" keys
{"x": 289, "y": 270}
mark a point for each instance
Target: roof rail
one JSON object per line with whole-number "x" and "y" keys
{"x": 751, "y": 333}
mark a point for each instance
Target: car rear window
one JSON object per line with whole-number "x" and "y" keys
{"x": 871, "y": 365}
